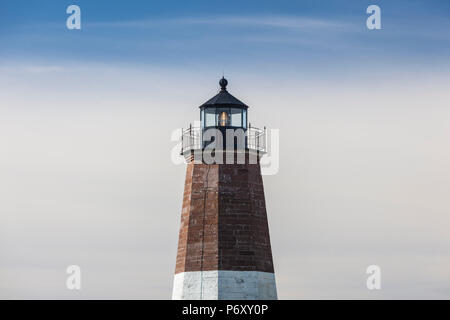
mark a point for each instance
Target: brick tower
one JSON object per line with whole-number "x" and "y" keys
{"x": 224, "y": 245}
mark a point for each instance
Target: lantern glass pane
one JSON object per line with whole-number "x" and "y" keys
{"x": 236, "y": 117}
{"x": 210, "y": 117}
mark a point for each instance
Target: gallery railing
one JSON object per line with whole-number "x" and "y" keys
{"x": 192, "y": 139}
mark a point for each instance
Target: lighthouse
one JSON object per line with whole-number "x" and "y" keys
{"x": 224, "y": 247}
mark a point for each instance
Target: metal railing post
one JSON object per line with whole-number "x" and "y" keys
{"x": 265, "y": 139}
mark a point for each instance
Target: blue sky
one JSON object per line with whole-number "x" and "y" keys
{"x": 272, "y": 35}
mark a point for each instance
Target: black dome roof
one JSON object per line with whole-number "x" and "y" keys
{"x": 224, "y": 98}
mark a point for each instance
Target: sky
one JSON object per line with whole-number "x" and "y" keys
{"x": 227, "y": 35}
{"x": 86, "y": 119}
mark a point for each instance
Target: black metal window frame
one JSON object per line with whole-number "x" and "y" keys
{"x": 203, "y": 116}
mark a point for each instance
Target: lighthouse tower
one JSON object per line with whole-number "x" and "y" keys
{"x": 224, "y": 245}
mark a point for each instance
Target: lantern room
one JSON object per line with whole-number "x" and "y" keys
{"x": 223, "y": 111}
{"x": 223, "y": 116}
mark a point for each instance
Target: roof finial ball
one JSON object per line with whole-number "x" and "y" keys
{"x": 223, "y": 84}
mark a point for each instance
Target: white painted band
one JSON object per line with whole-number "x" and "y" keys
{"x": 224, "y": 285}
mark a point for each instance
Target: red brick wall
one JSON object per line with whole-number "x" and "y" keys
{"x": 244, "y": 242}
{"x": 223, "y": 220}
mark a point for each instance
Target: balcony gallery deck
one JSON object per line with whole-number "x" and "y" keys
{"x": 224, "y": 145}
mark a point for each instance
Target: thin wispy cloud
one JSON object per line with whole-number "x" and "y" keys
{"x": 43, "y": 69}
{"x": 285, "y": 22}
